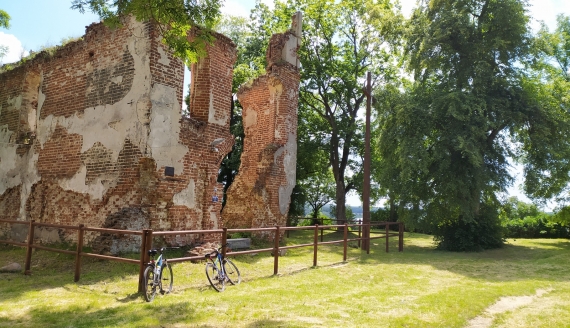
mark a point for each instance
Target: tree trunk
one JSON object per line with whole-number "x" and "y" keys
{"x": 340, "y": 212}
{"x": 392, "y": 209}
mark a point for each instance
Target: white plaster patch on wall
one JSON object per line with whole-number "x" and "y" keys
{"x": 46, "y": 127}
{"x": 5, "y": 134}
{"x": 10, "y": 168}
{"x": 213, "y": 218}
{"x": 223, "y": 120}
{"x": 165, "y": 129}
{"x": 108, "y": 124}
{"x": 289, "y": 152}
{"x": 117, "y": 79}
{"x": 15, "y": 102}
{"x": 93, "y": 124}
{"x": 275, "y": 90}
{"x": 249, "y": 117}
{"x": 29, "y": 178}
{"x": 77, "y": 184}
{"x": 163, "y": 57}
{"x": 187, "y": 196}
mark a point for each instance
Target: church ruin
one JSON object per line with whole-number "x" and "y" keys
{"x": 94, "y": 134}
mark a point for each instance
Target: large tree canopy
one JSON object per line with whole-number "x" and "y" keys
{"x": 470, "y": 109}
{"x": 5, "y": 23}
{"x": 342, "y": 40}
{"x": 173, "y": 18}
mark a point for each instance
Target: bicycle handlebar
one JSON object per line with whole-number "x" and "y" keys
{"x": 216, "y": 251}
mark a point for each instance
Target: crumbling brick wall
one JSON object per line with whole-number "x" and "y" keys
{"x": 87, "y": 132}
{"x": 260, "y": 194}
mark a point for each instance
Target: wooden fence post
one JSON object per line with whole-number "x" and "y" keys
{"x": 345, "y": 241}
{"x": 29, "y": 249}
{"x": 322, "y": 231}
{"x": 401, "y": 237}
{"x": 224, "y": 241}
{"x": 359, "y": 233}
{"x": 315, "y": 245}
{"x": 146, "y": 244}
{"x": 368, "y": 228}
{"x": 387, "y": 237}
{"x": 78, "y": 252}
{"x": 276, "y": 252}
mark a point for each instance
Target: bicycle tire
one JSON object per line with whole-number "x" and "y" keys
{"x": 213, "y": 277}
{"x": 232, "y": 272}
{"x": 167, "y": 277}
{"x": 149, "y": 285}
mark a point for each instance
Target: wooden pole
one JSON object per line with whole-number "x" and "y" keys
{"x": 400, "y": 237}
{"x": 146, "y": 244}
{"x": 29, "y": 249}
{"x": 80, "y": 233}
{"x": 224, "y": 241}
{"x": 387, "y": 236}
{"x": 276, "y": 252}
{"x": 345, "y": 242}
{"x": 315, "y": 245}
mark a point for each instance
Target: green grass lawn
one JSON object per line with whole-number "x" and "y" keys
{"x": 420, "y": 287}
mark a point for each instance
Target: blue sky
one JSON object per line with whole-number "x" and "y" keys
{"x": 37, "y": 23}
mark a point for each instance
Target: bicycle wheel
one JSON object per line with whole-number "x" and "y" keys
{"x": 149, "y": 285}
{"x": 166, "y": 279}
{"x": 232, "y": 272}
{"x": 214, "y": 277}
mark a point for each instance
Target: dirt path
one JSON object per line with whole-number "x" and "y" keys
{"x": 504, "y": 304}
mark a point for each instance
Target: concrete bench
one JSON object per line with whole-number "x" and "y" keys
{"x": 239, "y": 243}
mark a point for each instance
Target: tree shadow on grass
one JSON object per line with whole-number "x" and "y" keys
{"x": 272, "y": 323}
{"x": 83, "y": 316}
{"x": 540, "y": 259}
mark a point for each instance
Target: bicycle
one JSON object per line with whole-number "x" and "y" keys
{"x": 219, "y": 270}
{"x": 156, "y": 273}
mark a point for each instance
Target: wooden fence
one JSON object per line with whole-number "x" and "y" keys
{"x": 148, "y": 235}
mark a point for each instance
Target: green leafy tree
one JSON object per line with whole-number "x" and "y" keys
{"x": 546, "y": 142}
{"x": 4, "y": 19}
{"x": 319, "y": 191}
{"x": 470, "y": 109}
{"x": 342, "y": 40}
{"x": 5, "y": 23}
{"x": 547, "y": 171}
{"x": 173, "y": 19}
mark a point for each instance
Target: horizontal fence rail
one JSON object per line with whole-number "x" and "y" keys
{"x": 148, "y": 234}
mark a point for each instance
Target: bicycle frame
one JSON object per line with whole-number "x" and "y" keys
{"x": 218, "y": 264}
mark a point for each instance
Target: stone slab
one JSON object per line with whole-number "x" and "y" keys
{"x": 239, "y": 243}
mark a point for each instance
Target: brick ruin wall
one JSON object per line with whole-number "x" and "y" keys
{"x": 261, "y": 192}
{"x": 87, "y": 133}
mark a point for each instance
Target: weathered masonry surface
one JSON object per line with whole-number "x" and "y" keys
{"x": 260, "y": 195}
{"x": 87, "y": 135}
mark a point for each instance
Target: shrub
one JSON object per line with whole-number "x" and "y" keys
{"x": 460, "y": 235}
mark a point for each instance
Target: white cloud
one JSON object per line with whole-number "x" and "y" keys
{"x": 242, "y": 7}
{"x": 15, "y": 49}
{"x": 235, "y": 8}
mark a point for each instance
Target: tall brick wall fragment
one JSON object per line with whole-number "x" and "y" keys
{"x": 87, "y": 132}
{"x": 260, "y": 193}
